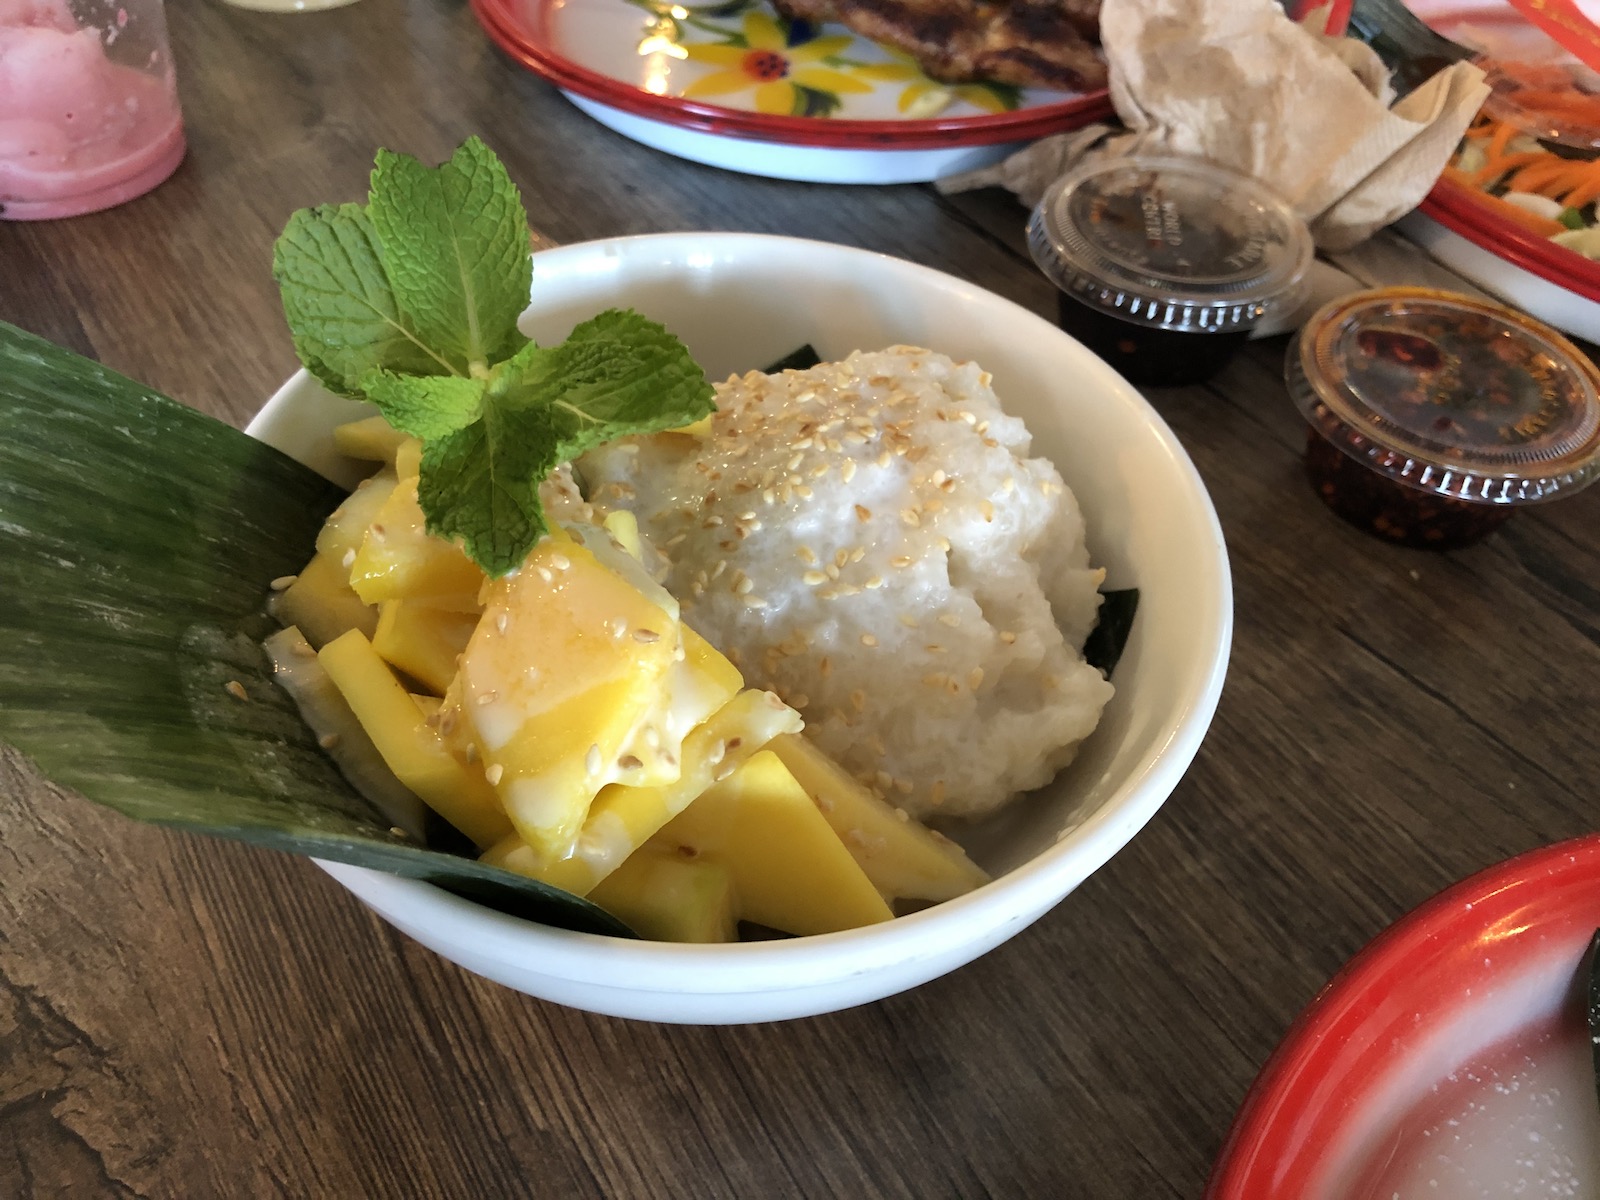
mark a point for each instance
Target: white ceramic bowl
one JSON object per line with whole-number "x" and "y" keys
{"x": 740, "y": 301}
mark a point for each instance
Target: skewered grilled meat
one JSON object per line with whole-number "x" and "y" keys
{"x": 1030, "y": 43}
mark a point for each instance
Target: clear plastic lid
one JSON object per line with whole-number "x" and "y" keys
{"x": 1174, "y": 243}
{"x": 1450, "y": 394}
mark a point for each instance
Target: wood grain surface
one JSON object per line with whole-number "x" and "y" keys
{"x": 181, "y": 1017}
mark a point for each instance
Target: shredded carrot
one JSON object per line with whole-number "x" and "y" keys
{"x": 1572, "y": 182}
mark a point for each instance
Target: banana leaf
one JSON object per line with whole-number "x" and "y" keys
{"x": 137, "y": 541}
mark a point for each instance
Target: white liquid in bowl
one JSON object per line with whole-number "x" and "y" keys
{"x": 1519, "y": 1120}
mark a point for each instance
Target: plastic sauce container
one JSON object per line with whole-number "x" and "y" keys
{"x": 1166, "y": 264}
{"x": 1433, "y": 416}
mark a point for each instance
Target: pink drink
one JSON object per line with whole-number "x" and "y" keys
{"x": 88, "y": 110}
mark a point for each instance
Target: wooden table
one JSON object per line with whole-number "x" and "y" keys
{"x": 189, "y": 1018}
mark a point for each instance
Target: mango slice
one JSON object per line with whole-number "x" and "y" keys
{"x": 790, "y": 870}
{"x": 422, "y": 641}
{"x": 412, "y": 748}
{"x": 669, "y": 898}
{"x": 562, "y": 689}
{"x": 399, "y": 560}
{"x": 344, "y": 531}
{"x": 321, "y": 603}
{"x": 622, "y": 819}
{"x": 372, "y": 439}
{"x": 903, "y": 858}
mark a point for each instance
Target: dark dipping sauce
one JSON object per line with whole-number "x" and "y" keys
{"x": 1166, "y": 264}
{"x": 1148, "y": 354}
{"x": 1434, "y": 416}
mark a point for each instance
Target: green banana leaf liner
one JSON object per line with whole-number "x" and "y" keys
{"x": 137, "y": 541}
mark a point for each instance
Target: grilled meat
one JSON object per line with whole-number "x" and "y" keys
{"x": 1030, "y": 43}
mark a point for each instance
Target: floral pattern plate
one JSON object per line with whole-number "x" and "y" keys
{"x": 734, "y": 84}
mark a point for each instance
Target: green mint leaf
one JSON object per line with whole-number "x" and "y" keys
{"x": 426, "y": 406}
{"x": 616, "y": 374}
{"x": 336, "y": 295}
{"x": 455, "y": 246}
{"x": 480, "y": 484}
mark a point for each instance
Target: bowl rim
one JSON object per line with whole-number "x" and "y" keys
{"x": 1268, "y": 1128}
{"x": 1006, "y": 904}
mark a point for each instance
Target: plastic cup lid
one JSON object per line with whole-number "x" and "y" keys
{"x": 1450, "y": 394}
{"x": 1176, "y": 243}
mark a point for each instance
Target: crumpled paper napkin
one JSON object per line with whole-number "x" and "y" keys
{"x": 1238, "y": 82}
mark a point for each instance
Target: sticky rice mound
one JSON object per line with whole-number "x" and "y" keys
{"x": 870, "y": 540}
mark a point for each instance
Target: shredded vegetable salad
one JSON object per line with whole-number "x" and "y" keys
{"x": 1546, "y": 181}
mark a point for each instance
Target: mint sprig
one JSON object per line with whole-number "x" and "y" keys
{"x": 411, "y": 302}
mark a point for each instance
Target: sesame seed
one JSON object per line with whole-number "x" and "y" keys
{"x": 900, "y": 560}
{"x": 472, "y": 752}
{"x": 974, "y": 678}
{"x": 950, "y": 619}
{"x": 911, "y": 516}
{"x": 745, "y": 585}
{"x": 328, "y": 741}
{"x": 591, "y": 761}
{"x": 884, "y": 458}
{"x": 630, "y": 762}
{"x": 863, "y": 513}
{"x": 486, "y": 699}
{"x": 903, "y": 786}
{"x": 349, "y": 559}
{"x": 825, "y": 666}
{"x": 501, "y": 620}
{"x": 646, "y": 636}
{"x": 908, "y": 620}
{"x": 802, "y": 491}
{"x": 936, "y": 794}
{"x": 934, "y": 679}
{"x": 937, "y": 478}
{"x": 875, "y": 582}
{"x": 858, "y": 700}
{"x": 282, "y": 582}
{"x": 868, "y": 640}
{"x": 545, "y": 575}
{"x": 858, "y": 554}
{"x": 494, "y": 773}
{"x": 847, "y": 471}
{"x": 795, "y": 461}
{"x": 916, "y": 453}
{"x": 800, "y": 701}
{"x": 832, "y": 571}
{"x": 902, "y": 815}
{"x": 560, "y": 562}
{"x": 814, "y": 578}
{"x": 934, "y": 648}
{"x": 722, "y": 565}
{"x": 1007, "y": 636}
{"x": 723, "y": 772}
{"x": 754, "y": 602}
{"x": 378, "y": 533}
{"x": 718, "y": 752}
{"x": 806, "y": 554}
{"x": 944, "y": 544}
{"x": 236, "y": 689}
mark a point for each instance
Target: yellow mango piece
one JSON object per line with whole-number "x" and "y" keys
{"x": 624, "y": 526}
{"x": 346, "y": 528}
{"x": 412, "y": 747}
{"x": 622, "y": 819}
{"x": 408, "y": 460}
{"x": 790, "y": 870}
{"x": 666, "y": 897}
{"x": 372, "y": 439}
{"x": 903, "y": 858}
{"x": 400, "y": 560}
{"x": 423, "y": 642}
{"x": 321, "y": 603}
{"x": 558, "y": 686}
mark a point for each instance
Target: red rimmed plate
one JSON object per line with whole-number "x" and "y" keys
{"x": 1555, "y": 284}
{"x": 1451, "y": 997}
{"x": 731, "y": 84}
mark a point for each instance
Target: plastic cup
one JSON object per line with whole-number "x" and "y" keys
{"x": 88, "y": 105}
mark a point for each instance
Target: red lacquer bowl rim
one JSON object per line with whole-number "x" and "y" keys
{"x": 1270, "y": 1128}
{"x": 513, "y": 35}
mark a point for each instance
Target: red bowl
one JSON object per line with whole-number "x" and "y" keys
{"x": 1489, "y": 957}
